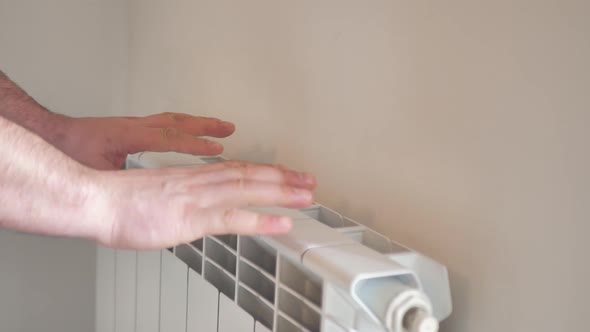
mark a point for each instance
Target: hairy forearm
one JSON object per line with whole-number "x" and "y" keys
{"x": 41, "y": 189}
{"x": 17, "y": 106}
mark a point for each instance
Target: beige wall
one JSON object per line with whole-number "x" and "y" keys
{"x": 71, "y": 56}
{"x": 459, "y": 128}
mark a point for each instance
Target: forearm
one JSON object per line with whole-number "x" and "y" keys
{"x": 17, "y": 106}
{"x": 42, "y": 190}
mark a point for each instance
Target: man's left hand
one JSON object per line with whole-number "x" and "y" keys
{"x": 104, "y": 143}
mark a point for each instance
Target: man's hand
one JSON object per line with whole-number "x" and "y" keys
{"x": 156, "y": 208}
{"x": 104, "y": 143}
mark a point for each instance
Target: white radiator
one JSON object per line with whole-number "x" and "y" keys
{"x": 329, "y": 274}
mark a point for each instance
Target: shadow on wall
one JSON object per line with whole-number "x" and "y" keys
{"x": 460, "y": 288}
{"x": 256, "y": 153}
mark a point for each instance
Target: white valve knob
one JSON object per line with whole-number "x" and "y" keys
{"x": 418, "y": 320}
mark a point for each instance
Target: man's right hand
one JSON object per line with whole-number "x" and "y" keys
{"x": 156, "y": 208}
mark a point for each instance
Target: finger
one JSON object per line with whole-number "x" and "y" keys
{"x": 170, "y": 139}
{"x": 243, "y": 171}
{"x": 193, "y": 125}
{"x": 237, "y": 194}
{"x": 255, "y": 171}
{"x": 235, "y": 221}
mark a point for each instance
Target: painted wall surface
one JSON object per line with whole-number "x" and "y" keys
{"x": 458, "y": 128}
{"x": 71, "y": 56}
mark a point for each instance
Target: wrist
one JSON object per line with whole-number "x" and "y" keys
{"x": 103, "y": 205}
{"x": 43, "y": 191}
{"x": 93, "y": 215}
{"x": 54, "y": 129}
{"x": 72, "y": 200}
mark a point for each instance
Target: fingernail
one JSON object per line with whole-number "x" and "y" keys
{"x": 302, "y": 195}
{"x": 280, "y": 223}
{"x": 308, "y": 178}
{"x": 228, "y": 125}
{"x": 302, "y": 177}
{"x": 216, "y": 145}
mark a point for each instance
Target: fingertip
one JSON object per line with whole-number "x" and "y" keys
{"x": 309, "y": 180}
{"x": 217, "y": 147}
{"x": 223, "y": 129}
{"x": 212, "y": 149}
{"x": 228, "y": 126}
{"x": 301, "y": 196}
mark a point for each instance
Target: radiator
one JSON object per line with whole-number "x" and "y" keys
{"x": 329, "y": 274}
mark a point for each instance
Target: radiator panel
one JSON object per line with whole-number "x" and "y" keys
{"x": 125, "y": 290}
{"x": 147, "y": 317}
{"x": 173, "y": 296}
{"x": 203, "y": 304}
{"x": 105, "y": 289}
{"x": 232, "y": 318}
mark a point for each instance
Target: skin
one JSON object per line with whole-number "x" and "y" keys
{"x": 60, "y": 176}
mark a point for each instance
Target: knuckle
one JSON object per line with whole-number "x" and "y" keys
{"x": 280, "y": 167}
{"x": 178, "y": 117}
{"x": 169, "y": 132}
{"x": 188, "y": 222}
{"x": 202, "y": 200}
{"x": 166, "y": 116}
{"x": 240, "y": 186}
{"x": 229, "y": 218}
